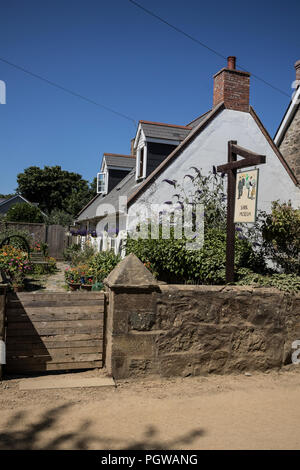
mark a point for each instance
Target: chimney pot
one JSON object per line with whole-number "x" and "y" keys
{"x": 231, "y": 61}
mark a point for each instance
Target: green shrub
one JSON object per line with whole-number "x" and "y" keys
{"x": 23, "y": 212}
{"x": 70, "y": 251}
{"x": 16, "y": 242}
{"x": 49, "y": 268}
{"x": 285, "y": 282}
{"x": 281, "y": 237}
{"x": 102, "y": 264}
{"x": 77, "y": 255}
{"x": 60, "y": 217}
{"x": 170, "y": 261}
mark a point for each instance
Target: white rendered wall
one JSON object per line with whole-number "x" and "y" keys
{"x": 210, "y": 148}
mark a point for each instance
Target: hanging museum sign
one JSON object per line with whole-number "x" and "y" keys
{"x": 246, "y": 196}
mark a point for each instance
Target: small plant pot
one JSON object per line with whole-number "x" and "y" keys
{"x": 86, "y": 286}
{"x": 74, "y": 287}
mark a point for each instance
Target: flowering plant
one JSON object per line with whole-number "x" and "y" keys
{"x": 14, "y": 262}
{"x": 36, "y": 247}
{"x": 85, "y": 273}
{"x": 40, "y": 247}
{"x": 72, "y": 275}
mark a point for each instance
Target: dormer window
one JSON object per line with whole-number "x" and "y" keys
{"x": 102, "y": 183}
{"x": 141, "y": 162}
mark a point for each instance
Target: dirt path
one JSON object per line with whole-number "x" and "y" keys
{"x": 261, "y": 411}
{"x": 56, "y": 281}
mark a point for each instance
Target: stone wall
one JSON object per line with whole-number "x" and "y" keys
{"x": 37, "y": 231}
{"x": 290, "y": 146}
{"x": 172, "y": 330}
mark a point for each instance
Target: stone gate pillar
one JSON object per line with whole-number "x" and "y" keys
{"x": 131, "y": 314}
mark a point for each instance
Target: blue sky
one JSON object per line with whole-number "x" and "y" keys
{"x": 115, "y": 54}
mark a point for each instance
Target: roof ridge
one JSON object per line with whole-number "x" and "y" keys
{"x": 118, "y": 155}
{"x": 201, "y": 115}
{"x": 164, "y": 124}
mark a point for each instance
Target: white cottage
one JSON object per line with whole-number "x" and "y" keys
{"x": 202, "y": 143}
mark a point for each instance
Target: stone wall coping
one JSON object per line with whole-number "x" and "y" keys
{"x": 130, "y": 287}
{"x": 224, "y": 288}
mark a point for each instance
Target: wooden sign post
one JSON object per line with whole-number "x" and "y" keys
{"x": 249, "y": 159}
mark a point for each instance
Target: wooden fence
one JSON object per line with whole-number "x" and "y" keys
{"x": 54, "y": 331}
{"x": 55, "y": 236}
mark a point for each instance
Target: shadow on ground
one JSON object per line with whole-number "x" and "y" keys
{"x": 81, "y": 438}
{"x": 34, "y": 283}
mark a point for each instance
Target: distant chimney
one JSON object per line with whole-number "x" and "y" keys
{"x": 297, "y": 67}
{"x": 132, "y": 150}
{"x": 232, "y": 87}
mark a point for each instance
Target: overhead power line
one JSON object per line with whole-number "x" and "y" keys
{"x": 192, "y": 38}
{"x": 67, "y": 90}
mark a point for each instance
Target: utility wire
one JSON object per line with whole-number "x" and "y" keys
{"x": 180, "y": 31}
{"x": 67, "y": 90}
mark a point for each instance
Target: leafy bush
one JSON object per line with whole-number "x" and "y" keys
{"x": 170, "y": 261}
{"x": 77, "y": 255}
{"x": 14, "y": 263}
{"x": 70, "y": 251}
{"x": 49, "y": 268}
{"x": 23, "y": 212}
{"x": 60, "y": 217}
{"x": 103, "y": 263}
{"x": 285, "y": 282}
{"x": 207, "y": 190}
{"x": 16, "y": 241}
{"x": 281, "y": 237}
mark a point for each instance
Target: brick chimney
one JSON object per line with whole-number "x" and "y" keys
{"x": 297, "y": 68}
{"x": 232, "y": 87}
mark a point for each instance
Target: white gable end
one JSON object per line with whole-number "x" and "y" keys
{"x": 210, "y": 148}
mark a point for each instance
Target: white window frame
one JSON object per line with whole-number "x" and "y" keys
{"x": 105, "y": 174}
{"x": 138, "y": 161}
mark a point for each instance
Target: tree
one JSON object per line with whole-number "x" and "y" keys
{"x": 23, "y": 212}
{"x": 54, "y": 188}
{"x": 60, "y": 217}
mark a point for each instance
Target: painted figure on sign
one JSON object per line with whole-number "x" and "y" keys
{"x": 249, "y": 187}
{"x": 241, "y": 184}
{"x": 253, "y": 189}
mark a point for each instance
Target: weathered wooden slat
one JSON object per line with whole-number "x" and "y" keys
{"x": 25, "y": 317}
{"x": 46, "y": 331}
{"x": 34, "y": 367}
{"x": 57, "y": 359}
{"x": 32, "y": 347}
{"x": 46, "y": 296}
{"x": 53, "y": 324}
{"x": 40, "y": 350}
{"x": 54, "y": 303}
{"x": 55, "y": 339}
{"x": 59, "y": 355}
{"x": 55, "y": 309}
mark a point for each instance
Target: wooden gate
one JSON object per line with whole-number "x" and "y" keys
{"x": 54, "y": 331}
{"x": 56, "y": 239}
